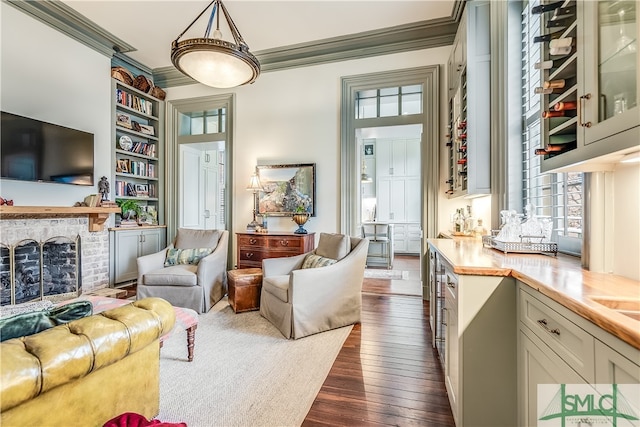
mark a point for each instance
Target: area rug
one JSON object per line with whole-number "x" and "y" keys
{"x": 244, "y": 373}
{"x": 371, "y": 273}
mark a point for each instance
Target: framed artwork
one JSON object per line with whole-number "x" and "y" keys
{"x": 369, "y": 149}
{"x": 142, "y": 190}
{"x": 123, "y": 120}
{"x": 287, "y": 189}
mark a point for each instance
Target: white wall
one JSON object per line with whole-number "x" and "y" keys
{"x": 626, "y": 222}
{"x": 51, "y": 77}
{"x": 293, "y": 116}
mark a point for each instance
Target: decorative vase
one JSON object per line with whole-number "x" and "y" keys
{"x": 301, "y": 219}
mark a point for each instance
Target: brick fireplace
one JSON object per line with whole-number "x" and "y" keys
{"x": 51, "y": 258}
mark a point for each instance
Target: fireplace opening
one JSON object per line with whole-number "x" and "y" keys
{"x": 33, "y": 271}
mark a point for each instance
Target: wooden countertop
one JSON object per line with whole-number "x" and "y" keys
{"x": 560, "y": 278}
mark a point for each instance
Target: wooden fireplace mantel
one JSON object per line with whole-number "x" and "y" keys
{"x": 97, "y": 216}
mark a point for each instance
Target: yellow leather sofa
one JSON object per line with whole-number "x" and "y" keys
{"x": 87, "y": 371}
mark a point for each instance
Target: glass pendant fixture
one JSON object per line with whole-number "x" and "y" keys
{"x": 213, "y": 61}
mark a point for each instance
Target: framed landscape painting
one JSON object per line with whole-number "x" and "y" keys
{"x": 287, "y": 189}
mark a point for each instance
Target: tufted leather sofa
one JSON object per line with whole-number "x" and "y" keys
{"x": 87, "y": 371}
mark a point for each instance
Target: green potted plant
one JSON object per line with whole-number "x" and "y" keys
{"x": 130, "y": 208}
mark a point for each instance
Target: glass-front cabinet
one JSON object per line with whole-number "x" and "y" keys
{"x": 611, "y": 84}
{"x": 607, "y": 116}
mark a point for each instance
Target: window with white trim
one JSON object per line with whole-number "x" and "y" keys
{"x": 557, "y": 196}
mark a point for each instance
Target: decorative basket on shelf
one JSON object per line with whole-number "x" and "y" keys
{"x": 122, "y": 74}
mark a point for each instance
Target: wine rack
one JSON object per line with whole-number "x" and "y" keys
{"x": 560, "y": 75}
{"x": 468, "y": 142}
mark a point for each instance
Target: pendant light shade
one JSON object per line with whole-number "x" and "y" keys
{"x": 213, "y": 61}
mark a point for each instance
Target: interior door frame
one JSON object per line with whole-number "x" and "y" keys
{"x": 429, "y": 78}
{"x": 174, "y": 107}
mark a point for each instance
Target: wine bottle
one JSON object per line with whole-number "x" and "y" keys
{"x": 560, "y": 51}
{"x": 566, "y": 105}
{"x": 547, "y": 37}
{"x": 562, "y": 139}
{"x": 554, "y": 84}
{"x": 547, "y": 91}
{"x": 462, "y": 173}
{"x": 543, "y": 65}
{"x": 563, "y": 12}
{"x": 559, "y": 23}
{"x": 462, "y": 136}
{"x": 563, "y": 113}
{"x": 449, "y": 143}
{"x": 462, "y": 149}
{"x": 462, "y": 125}
{"x": 536, "y": 10}
{"x": 462, "y": 161}
{"x": 561, "y": 42}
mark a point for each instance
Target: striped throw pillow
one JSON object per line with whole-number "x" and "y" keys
{"x": 314, "y": 261}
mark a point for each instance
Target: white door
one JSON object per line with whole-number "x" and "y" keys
{"x": 210, "y": 190}
{"x": 189, "y": 190}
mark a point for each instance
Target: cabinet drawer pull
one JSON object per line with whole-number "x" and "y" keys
{"x": 442, "y": 322}
{"x": 252, "y": 241}
{"x": 543, "y": 325}
{"x": 580, "y": 110}
{"x": 284, "y": 242}
{"x": 249, "y": 254}
{"x": 451, "y": 284}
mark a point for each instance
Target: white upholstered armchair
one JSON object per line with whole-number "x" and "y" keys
{"x": 182, "y": 275}
{"x": 303, "y": 301}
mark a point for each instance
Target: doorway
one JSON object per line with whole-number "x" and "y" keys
{"x": 199, "y": 153}
{"x": 387, "y": 102}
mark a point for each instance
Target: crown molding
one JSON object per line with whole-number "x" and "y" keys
{"x": 401, "y": 38}
{"x": 66, "y": 20}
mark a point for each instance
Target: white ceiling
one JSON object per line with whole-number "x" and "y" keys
{"x": 151, "y": 25}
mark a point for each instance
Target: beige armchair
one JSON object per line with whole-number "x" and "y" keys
{"x": 186, "y": 284}
{"x": 304, "y": 301}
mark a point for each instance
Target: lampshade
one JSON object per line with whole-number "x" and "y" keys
{"x": 213, "y": 61}
{"x": 254, "y": 183}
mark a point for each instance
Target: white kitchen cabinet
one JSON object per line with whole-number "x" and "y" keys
{"x": 469, "y": 136}
{"x": 397, "y": 157}
{"x": 606, "y": 70}
{"x": 479, "y": 347}
{"x": 614, "y": 368}
{"x": 128, "y": 245}
{"x": 538, "y": 365}
{"x": 556, "y": 346}
{"x": 452, "y": 342}
{"x": 407, "y": 238}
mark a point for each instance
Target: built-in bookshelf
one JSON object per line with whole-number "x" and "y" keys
{"x": 137, "y": 149}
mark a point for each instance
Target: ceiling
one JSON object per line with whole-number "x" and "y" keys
{"x": 150, "y": 26}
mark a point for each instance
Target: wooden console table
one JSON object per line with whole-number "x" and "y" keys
{"x": 254, "y": 247}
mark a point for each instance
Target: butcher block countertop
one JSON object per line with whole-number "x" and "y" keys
{"x": 560, "y": 278}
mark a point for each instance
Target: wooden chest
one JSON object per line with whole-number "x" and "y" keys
{"x": 244, "y": 289}
{"x": 254, "y": 247}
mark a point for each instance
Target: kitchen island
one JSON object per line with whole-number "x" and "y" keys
{"x": 509, "y": 322}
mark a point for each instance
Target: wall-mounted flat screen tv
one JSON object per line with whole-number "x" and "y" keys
{"x": 32, "y": 150}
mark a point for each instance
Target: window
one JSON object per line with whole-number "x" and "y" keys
{"x": 389, "y": 102}
{"x": 557, "y": 196}
{"x": 202, "y": 122}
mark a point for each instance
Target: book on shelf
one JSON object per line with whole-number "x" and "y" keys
{"x": 129, "y": 223}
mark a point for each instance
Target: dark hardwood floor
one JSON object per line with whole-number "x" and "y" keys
{"x": 387, "y": 373}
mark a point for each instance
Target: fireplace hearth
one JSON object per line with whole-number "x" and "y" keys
{"x": 33, "y": 271}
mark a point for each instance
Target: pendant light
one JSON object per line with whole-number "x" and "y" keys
{"x": 213, "y": 61}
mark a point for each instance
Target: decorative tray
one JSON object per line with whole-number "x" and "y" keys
{"x": 521, "y": 247}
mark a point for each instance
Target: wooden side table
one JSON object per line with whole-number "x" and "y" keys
{"x": 244, "y": 289}
{"x": 254, "y": 247}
